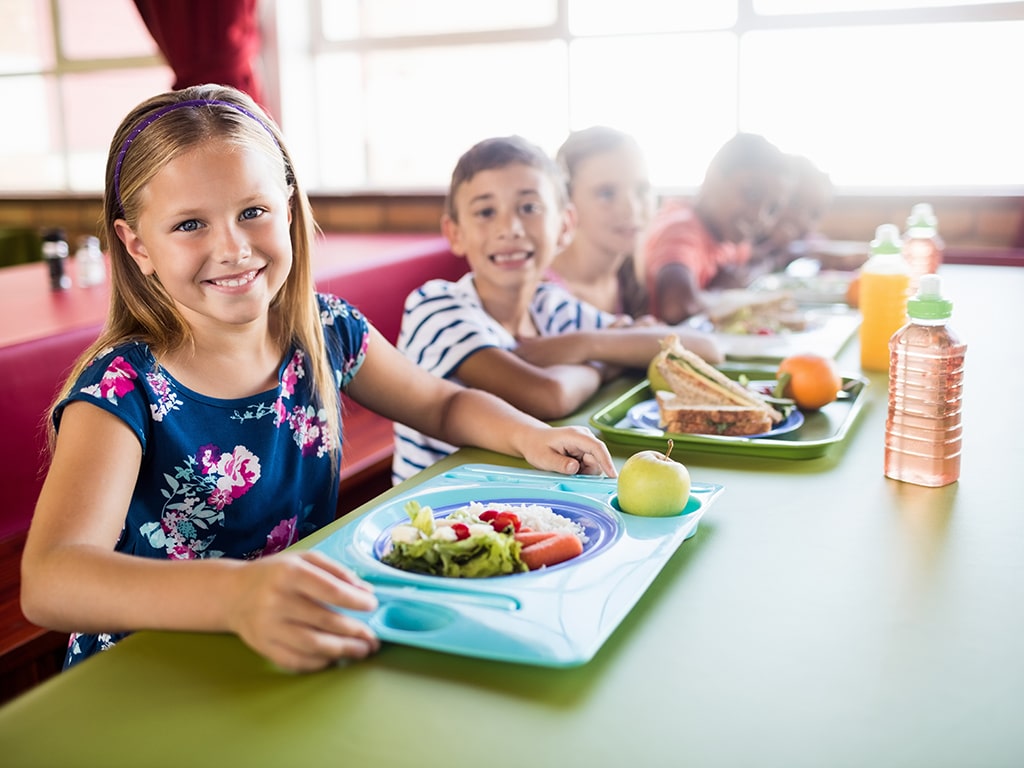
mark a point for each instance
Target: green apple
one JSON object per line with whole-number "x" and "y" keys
{"x": 654, "y": 376}
{"x": 651, "y": 484}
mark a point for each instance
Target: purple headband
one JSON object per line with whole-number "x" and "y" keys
{"x": 153, "y": 116}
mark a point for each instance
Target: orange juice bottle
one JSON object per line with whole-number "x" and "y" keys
{"x": 884, "y": 283}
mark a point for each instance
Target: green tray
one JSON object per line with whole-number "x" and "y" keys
{"x": 819, "y": 431}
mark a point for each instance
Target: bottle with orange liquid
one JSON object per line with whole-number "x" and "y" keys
{"x": 923, "y": 435}
{"x": 884, "y": 283}
{"x": 922, "y": 245}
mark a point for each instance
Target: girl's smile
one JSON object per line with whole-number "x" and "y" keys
{"x": 241, "y": 281}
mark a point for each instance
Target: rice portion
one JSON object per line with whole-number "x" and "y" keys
{"x": 536, "y": 517}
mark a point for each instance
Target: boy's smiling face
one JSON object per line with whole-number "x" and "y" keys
{"x": 510, "y": 225}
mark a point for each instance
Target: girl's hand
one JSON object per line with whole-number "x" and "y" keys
{"x": 569, "y": 450}
{"x": 283, "y": 611}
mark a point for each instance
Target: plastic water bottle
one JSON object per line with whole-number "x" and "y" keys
{"x": 55, "y": 252}
{"x": 89, "y": 264}
{"x": 922, "y": 246}
{"x": 884, "y": 281}
{"x": 922, "y": 429}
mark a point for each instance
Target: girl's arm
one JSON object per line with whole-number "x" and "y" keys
{"x": 398, "y": 389}
{"x": 73, "y": 580}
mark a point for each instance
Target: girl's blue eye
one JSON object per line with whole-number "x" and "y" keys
{"x": 252, "y": 213}
{"x": 188, "y": 226}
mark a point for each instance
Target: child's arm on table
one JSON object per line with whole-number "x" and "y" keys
{"x": 397, "y": 388}
{"x": 547, "y": 392}
{"x": 73, "y": 579}
{"x": 632, "y": 347}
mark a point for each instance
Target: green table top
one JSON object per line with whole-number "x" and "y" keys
{"x": 822, "y": 615}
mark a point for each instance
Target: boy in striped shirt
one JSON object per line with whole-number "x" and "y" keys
{"x": 501, "y": 328}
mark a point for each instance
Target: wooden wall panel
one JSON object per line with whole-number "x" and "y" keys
{"x": 963, "y": 221}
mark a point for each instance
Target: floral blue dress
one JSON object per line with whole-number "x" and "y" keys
{"x": 221, "y": 478}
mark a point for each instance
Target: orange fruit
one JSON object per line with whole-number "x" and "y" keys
{"x": 853, "y": 292}
{"x": 812, "y": 381}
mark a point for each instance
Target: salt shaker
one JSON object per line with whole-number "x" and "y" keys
{"x": 89, "y": 265}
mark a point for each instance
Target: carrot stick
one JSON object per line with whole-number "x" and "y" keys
{"x": 526, "y": 538}
{"x": 555, "y": 549}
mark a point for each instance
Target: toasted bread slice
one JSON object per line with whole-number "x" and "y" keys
{"x": 684, "y": 418}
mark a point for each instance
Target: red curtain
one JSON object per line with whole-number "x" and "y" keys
{"x": 207, "y": 41}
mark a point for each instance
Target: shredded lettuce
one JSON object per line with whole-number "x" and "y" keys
{"x": 421, "y": 517}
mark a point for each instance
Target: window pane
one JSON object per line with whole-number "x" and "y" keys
{"x": 103, "y": 29}
{"x": 341, "y": 161}
{"x": 592, "y": 17}
{"x": 94, "y": 105}
{"x": 31, "y": 154}
{"x": 351, "y": 19}
{"x": 674, "y": 93}
{"x": 40, "y": 153}
{"x": 768, "y": 7}
{"x": 417, "y": 123}
{"x": 26, "y": 36}
{"x": 905, "y": 106}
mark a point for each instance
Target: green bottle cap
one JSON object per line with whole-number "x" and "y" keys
{"x": 922, "y": 217}
{"x": 887, "y": 240}
{"x": 928, "y": 304}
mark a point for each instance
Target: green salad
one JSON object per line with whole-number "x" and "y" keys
{"x": 459, "y": 546}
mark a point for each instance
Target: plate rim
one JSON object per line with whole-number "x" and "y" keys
{"x": 783, "y": 428}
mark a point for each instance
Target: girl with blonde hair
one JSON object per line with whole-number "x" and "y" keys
{"x": 202, "y": 433}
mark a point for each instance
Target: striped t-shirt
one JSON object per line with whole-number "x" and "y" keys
{"x": 445, "y": 322}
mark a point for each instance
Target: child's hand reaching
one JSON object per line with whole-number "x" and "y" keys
{"x": 283, "y": 610}
{"x": 569, "y": 450}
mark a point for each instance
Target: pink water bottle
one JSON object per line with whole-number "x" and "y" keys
{"x": 922, "y": 245}
{"x": 923, "y": 433}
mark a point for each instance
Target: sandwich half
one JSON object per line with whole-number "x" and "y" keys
{"x": 719, "y": 405}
